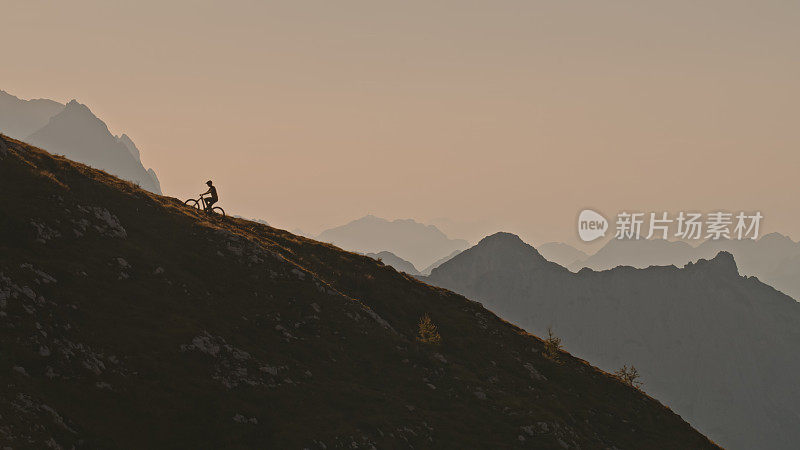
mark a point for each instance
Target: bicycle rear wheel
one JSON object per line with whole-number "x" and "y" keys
{"x": 218, "y": 210}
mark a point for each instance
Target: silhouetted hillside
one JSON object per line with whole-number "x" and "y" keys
{"x": 718, "y": 348}
{"x": 420, "y": 244}
{"x": 129, "y": 320}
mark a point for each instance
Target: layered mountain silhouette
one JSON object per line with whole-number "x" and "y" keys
{"x": 402, "y": 265}
{"x": 422, "y": 245}
{"x": 390, "y": 259}
{"x": 774, "y": 258}
{"x": 74, "y": 131}
{"x": 718, "y": 348}
{"x": 20, "y": 118}
{"x": 561, "y": 253}
{"x": 439, "y": 262}
{"x": 130, "y": 320}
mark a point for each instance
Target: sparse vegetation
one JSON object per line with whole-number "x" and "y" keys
{"x": 630, "y": 376}
{"x": 552, "y": 345}
{"x": 428, "y": 331}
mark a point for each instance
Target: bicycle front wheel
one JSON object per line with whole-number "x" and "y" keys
{"x": 193, "y": 203}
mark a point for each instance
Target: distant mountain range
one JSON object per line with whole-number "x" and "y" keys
{"x": 563, "y": 254}
{"x": 774, "y": 258}
{"x": 390, "y": 259}
{"x": 422, "y": 245}
{"x": 720, "y": 349}
{"x": 129, "y": 320}
{"x": 75, "y": 132}
{"x": 439, "y": 262}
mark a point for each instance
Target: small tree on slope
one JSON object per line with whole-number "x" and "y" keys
{"x": 428, "y": 332}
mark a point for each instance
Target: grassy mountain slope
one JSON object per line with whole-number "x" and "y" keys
{"x": 128, "y": 320}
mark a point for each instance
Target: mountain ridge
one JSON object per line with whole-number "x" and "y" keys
{"x": 715, "y": 346}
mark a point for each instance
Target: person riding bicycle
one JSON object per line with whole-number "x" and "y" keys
{"x": 212, "y": 193}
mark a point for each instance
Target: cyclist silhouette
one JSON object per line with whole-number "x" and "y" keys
{"x": 206, "y": 201}
{"x": 212, "y": 193}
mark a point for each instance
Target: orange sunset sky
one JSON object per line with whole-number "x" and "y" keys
{"x": 478, "y": 116}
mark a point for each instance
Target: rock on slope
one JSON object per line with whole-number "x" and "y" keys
{"x": 129, "y": 320}
{"x": 718, "y": 348}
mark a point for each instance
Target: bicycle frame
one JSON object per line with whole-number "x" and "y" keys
{"x": 201, "y": 204}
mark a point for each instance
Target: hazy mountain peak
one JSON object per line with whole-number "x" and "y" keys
{"x": 7, "y": 95}
{"x": 777, "y": 238}
{"x": 408, "y": 239}
{"x": 501, "y": 252}
{"x": 502, "y": 236}
{"x": 80, "y": 135}
{"x": 19, "y": 118}
{"x": 508, "y": 242}
{"x": 79, "y": 115}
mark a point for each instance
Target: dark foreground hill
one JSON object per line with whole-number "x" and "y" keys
{"x": 128, "y": 320}
{"x": 717, "y": 347}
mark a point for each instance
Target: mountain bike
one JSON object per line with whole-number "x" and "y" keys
{"x": 200, "y": 205}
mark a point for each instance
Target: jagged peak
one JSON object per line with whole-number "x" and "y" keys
{"x": 724, "y": 263}
{"x": 73, "y": 105}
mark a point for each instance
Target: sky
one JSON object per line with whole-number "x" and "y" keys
{"x": 476, "y": 116}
